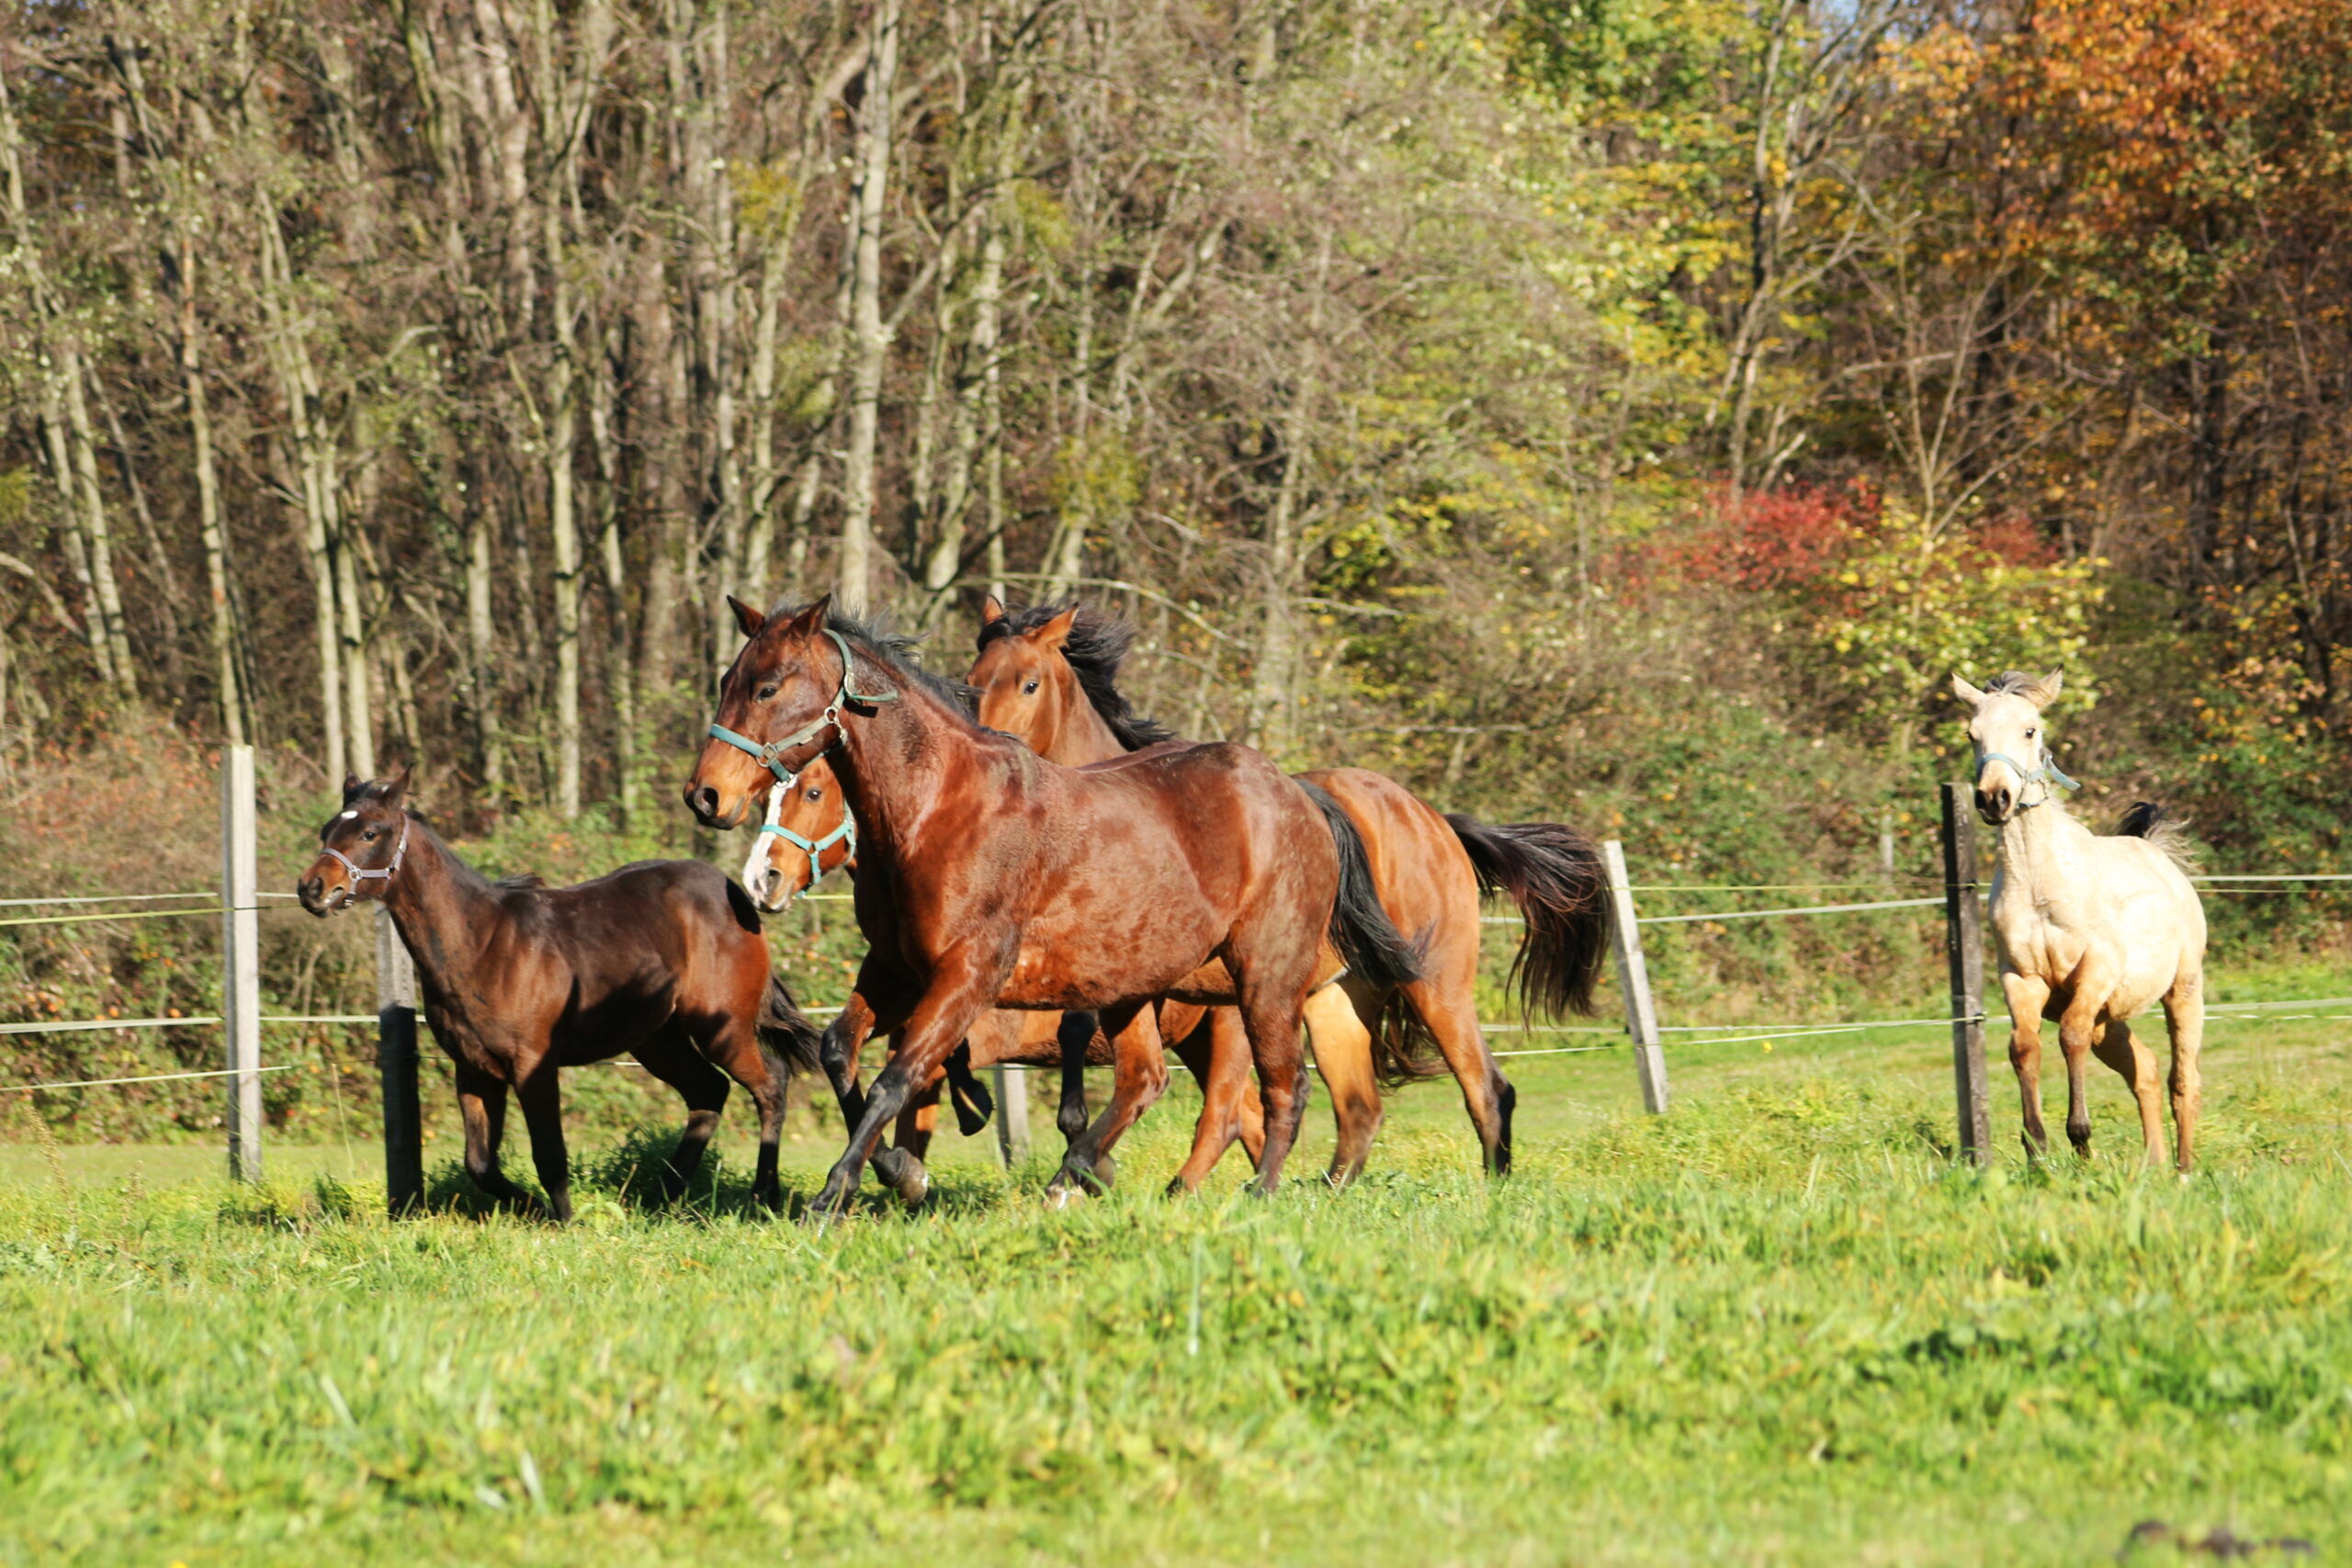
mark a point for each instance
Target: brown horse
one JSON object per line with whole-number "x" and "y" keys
{"x": 663, "y": 959}
{"x": 990, "y": 876}
{"x": 1048, "y": 674}
{"x": 808, "y": 834}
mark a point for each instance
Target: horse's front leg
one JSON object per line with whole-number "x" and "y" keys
{"x": 2078, "y": 1030}
{"x": 1140, "y": 1069}
{"x": 963, "y": 984}
{"x": 481, "y": 1105}
{"x": 837, "y": 1052}
{"x": 2027, "y": 995}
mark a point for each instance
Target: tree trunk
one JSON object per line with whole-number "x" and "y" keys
{"x": 871, "y": 347}
{"x": 94, "y": 511}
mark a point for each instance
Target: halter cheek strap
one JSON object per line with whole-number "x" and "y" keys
{"x": 2044, "y": 773}
{"x": 815, "y": 848}
{"x": 360, "y": 873}
{"x": 767, "y": 753}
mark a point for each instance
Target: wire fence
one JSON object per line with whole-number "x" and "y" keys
{"x": 241, "y": 1017}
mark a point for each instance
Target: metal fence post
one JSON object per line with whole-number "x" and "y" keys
{"x": 396, "y": 1064}
{"x": 1964, "y": 949}
{"x": 1012, "y": 1113}
{"x": 1634, "y": 979}
{"x": 241, "y": 962}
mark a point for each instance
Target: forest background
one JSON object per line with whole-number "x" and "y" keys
{"x": 1618, "y": 412}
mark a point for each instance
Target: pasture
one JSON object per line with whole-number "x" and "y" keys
{"x": 1776, "y": 1326}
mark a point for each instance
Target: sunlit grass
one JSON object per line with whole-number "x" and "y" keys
{"x": 1776, "y": 1326}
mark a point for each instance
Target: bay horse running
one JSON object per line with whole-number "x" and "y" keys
{"x": 807, "y": 833}
{"x": 989, "y": 876}
{"x": 2091, "y": 928}
{"x": 1048, "y": 673}
{"x": 663, "y": 960}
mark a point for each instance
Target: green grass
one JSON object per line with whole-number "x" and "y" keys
{"x": 1776, "y": 1327}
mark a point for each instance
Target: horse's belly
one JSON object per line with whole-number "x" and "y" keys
{"x": 1116, "y": 957}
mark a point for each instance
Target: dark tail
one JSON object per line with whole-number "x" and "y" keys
{"x": 785, "y": 1030}
{"x": 2161, "y": 828}
{"x": 1554, "y": 873}
{"x": 1368, "y": 943}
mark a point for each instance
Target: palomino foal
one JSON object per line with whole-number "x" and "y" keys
{"x": 2091, "y": 928}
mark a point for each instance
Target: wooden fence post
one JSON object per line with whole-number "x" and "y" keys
{"x": 241, "y": 962}
{"x": 1634, "y": 979}
{"x": 396, "y": 1065}
{"x": 1965, "y": 947}
{"x": 1012, "y": 1113}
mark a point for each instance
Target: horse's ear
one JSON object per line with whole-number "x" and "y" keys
{"x": 812, "y": 621}
{"x": 751, "y": 620}
{"x": 352, "y": 786}
{"x": 1965, "y": 692}
{"x": 395, "y": 788}
{"x": 1055, "y": 632}
{"x": 991, "y": 610}
{"x": 2044, "y": 692}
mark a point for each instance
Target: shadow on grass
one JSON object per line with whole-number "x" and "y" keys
{"x": 628, "y": 1175}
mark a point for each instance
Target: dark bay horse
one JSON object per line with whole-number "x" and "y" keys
{"x": 663, "y": 959}
{"x": 809, "y": 833}
{"x": 989, "y": 876}
{"x": 1048, "y": 674}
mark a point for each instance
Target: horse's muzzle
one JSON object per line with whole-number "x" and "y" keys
{"x": 313, "y": 892}
{"x": 1996, "y": 805}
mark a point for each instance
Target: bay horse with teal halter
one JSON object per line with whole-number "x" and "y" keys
{"x": 2091, "y": 928}
{"x": 990, "y": 876}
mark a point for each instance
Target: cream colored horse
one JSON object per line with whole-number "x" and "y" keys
{"x": 2091, "y": 928}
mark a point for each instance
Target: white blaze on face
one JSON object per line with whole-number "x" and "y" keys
{"x": 757, "y": 866}
{"x": 348, "y": 816}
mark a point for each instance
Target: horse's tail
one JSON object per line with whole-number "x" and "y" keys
{"x": 1367, "y": 941}
{"x": 785, "y": 1030}
{"x": 1554, "y": 873}
{"x": 2148, "y": 820}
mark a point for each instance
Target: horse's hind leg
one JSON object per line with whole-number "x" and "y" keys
{"x": 704, "y": 1089}
{"x": 2132, "y": 1059}
{"x": 1450, "y": 1011}
{"x": 2026, "y": 995}
{"x": 1140, "y": 1076}
{"x": 1338, "y": 1027}
{"x": 1218, "y": 1055}
{"x": 2185, "y": 1018}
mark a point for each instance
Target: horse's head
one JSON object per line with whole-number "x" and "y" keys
{"x": 359, "y": 849}
{"x": 779, "y": 709}
{"x": 809, "y": 832}
{"x": 2012, "y": 748}
{"x": 1027, "y": 688}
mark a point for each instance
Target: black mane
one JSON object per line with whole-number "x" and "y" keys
{"x": 2008, "y": 681}
{"x": 1095, "y": 646}
{"x": 901, "y": 652}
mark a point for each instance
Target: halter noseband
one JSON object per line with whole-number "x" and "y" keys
{"x": 813, "y": 848}
{"x": 360, "y": 873}
{"x": 2044, "y": 773}
{"x": 766, "y": 753}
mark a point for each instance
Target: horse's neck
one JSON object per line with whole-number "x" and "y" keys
{"x": 2038, "y": 850}
{"x": 441, "y": 905}
{"x": 1084, "y": 736}
{"x": 894, "y": 762}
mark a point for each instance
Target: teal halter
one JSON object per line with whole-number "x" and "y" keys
{"x": 815, "y": 848}
{"x": 2046, "y": 775}
{"x": 767, "y": 754}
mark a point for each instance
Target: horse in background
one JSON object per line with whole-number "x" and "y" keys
{"x": 2091, "y": 928}
{"x": 663, "y": 960}
{"x": 989, "y": 877}
{"x": 1048, "y": 673}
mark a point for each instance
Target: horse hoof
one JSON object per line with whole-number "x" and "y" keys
{"x": 1064, "y": 1197}
{"x": 1107, "y": 1171}
{"x": 913, "y": 1184}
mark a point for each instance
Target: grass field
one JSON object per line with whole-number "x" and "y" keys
{"x": 1776, "y": 1326}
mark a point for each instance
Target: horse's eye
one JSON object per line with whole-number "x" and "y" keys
{"x": 372, "y": 834}
{"x": 816, "y": 794}
{"x": 767, "y": 691}
{"x": 1030, "y": 690}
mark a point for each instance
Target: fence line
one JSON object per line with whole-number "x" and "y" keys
{"x": 110, "y": 915}
{"x": 107, "y": 899}
{"x": 151, "y": 1078}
